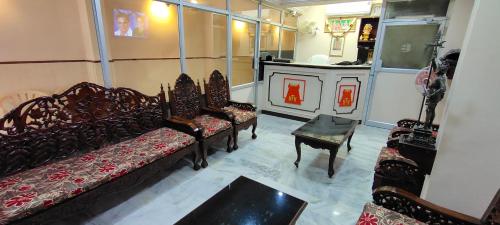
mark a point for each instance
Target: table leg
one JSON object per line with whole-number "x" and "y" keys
{"x": 333, "y": 154}
{"x": 297, "y": 148}
{"x": 349, "y": 142}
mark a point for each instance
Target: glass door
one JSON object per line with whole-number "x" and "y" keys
{"x": 243, "y": 55}
{"x": 404, "y": 51}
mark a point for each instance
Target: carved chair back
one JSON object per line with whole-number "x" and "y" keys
{"x": 492, "y": 214}
{"x": 84, "y": 117}
{"x": 185, "y": 98}
{"x": 217, "y": 90}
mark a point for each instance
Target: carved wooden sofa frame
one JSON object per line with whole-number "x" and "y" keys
{"x": 218, "y": 96}
{"x": 83, "y": 118}
{"x": 403, "y": 171}
{"x": 410, "y": 205}
{"x": 186, "y": 104}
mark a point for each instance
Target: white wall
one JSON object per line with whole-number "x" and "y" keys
{"x": 459, "y": 14}
{"x": 465, "y": 175}
{"x": 309, "y": 45}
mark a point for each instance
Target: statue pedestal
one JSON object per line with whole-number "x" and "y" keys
{"x": 419, "y": 146}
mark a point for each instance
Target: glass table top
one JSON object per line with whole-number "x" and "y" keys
{"x": 327, "y": 128}
{"x": 245, "y": 201}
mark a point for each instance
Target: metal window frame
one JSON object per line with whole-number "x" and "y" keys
{"x": 230, "y": 16}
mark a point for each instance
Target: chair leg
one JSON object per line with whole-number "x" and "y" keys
{"x": 253, "y": 130}
{"x": 203, "y": 149}
{"x": 235, "y": 138}
{"x": 229, "y": 137}
{"x": 196, "y": 159}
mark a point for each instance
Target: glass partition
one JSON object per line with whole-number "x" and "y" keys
{"x": 143, "y": 43}
{"x": 243, "y": 52}
{"x": 220, "y": 4}
{"x": 420, "y": 8}
{"x": 245, "y": 7}
{"x": 288, "y": 43}
{"x": 270, "y": 14}
{"x": 205, "y": 42}
{"x": 405, "y": 46}
{"x": 43, "y": 52}
{"x": 269, "y": 40}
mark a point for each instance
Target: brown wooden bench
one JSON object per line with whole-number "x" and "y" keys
{"x": 59, "y": 154}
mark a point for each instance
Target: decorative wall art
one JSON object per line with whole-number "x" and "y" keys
{"x": 337, "y": 46}
{"x": 347, "y": 95}
{"x": 340, "y": 25}
{"x": 295, "y": 91}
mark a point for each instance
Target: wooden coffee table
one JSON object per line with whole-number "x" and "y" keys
{"x": 325, "y": 132}
{"x": 245, "y": 201}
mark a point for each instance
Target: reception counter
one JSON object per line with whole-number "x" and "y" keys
{"x": 306, "y": 90}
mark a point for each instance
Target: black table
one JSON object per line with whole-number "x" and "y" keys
{"x": 325, "y": 132}
{"x": 245, "y": 201}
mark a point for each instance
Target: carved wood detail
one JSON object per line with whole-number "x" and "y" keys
{"x": 84, "y": 117}
{"x": 185, "y": 97}
{"x": 217, "y": 90}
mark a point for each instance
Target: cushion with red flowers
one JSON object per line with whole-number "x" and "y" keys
{"x": 240, "y": 115}
{"x": 211, "y": 125}
{"x": 376, "y": 215}
{"x": 389, "y": 154}
{"x": 27, "y": 192}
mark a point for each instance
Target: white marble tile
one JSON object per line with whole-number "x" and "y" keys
{"x": 269, "y": 160}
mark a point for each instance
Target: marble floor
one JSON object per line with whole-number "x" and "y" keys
{"x": 269, "y": 159}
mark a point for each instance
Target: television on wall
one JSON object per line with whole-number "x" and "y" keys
{"x": 129, "y": 23}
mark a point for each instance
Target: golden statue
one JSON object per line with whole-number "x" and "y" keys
{"x": 367, "y": 29}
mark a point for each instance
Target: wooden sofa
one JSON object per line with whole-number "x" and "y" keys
{"x": 218, "y": 97}
{"x": 403, "y": 167}
{"x": 394, "y": 206}
{"x": 59, "y": 154}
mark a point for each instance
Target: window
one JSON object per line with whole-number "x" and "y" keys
{"x": 287, "y": 44}
{"x": 220, "y": 4}
{"x": 205, "y": 41}
{"x": 405, "y": 46}
{"x": 149, "y": 54}
{"x": 245, "y": 7}
{"x": 36, "y": 44}
{"x": 420, "y": 8}
{"x": 269, "y": 40}
{"x": 270, "y": 14}
{"x": 243, "y": 52}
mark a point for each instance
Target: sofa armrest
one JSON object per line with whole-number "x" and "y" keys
{"x": 411, "y": 123}
{"x": 184, "y": 125}
{"x": 408, "y": 123}
{"x": 218, "y": 113}
{"x": 243, "y": 106}
{"x": 399, "y": 172}
{"x": 412, "y": 206}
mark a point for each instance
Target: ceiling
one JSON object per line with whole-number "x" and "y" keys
{"x": 293, "y": 3}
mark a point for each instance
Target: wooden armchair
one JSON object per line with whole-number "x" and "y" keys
{"x": 409, "y": 205}
{"x": 185, "y": 106}
{"x": 218, "y": 98}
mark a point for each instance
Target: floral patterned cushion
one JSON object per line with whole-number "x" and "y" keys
{"x": 389, "y": 153}
{"x": 377, "y": 215}
{"x": 211, "y": 125}
{"x": 240, "y": 115}
{"x": 27, "y": 192}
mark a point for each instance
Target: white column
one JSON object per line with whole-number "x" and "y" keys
{"x": 466, "y": 171}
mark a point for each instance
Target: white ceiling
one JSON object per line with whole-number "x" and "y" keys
{"x": 293, "y": 3}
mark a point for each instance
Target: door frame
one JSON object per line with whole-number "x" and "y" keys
{"x": 377, "y": 64}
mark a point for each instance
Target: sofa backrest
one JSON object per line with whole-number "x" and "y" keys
{"x": 185, "y": 98}
{"x": 492, "y": 214}
{"x": 84, "y": 117}
{"x": 217, "y": 90}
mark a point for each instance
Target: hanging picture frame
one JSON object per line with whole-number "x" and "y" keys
{"x": 337, "y": 46}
